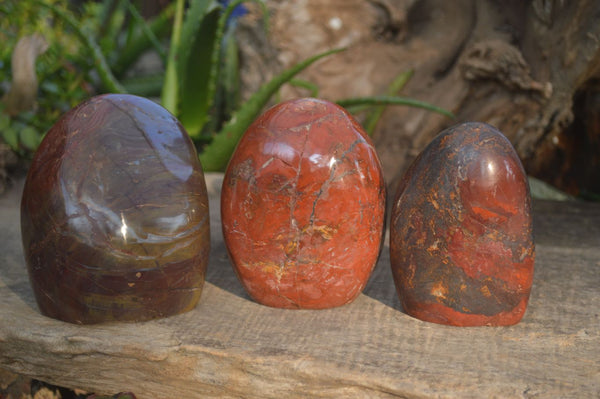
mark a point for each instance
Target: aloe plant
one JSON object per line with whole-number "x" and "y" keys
{"x": 216, "y": 154}
{"x": 395, "y": 87}
{"x": 193, "y": 69}
{"x": 392, "y": 100}
{"x": 191, "y": 93}
{"x": 200, "y": 82}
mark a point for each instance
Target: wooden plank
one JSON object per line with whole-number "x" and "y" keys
{"x": 230, "y": 346}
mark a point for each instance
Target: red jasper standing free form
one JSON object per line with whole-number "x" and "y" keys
{"x": 461, "y": 242}
{"x": 303, "y": 205}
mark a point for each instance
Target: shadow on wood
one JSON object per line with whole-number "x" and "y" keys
{"x": 230, "y": 346}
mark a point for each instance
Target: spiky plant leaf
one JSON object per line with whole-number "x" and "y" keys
{"x": 215, "y": 155}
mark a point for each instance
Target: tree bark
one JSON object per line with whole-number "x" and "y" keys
{"x": 532, "y": 69}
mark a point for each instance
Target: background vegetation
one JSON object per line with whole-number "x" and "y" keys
{"x": 90, "y": 48}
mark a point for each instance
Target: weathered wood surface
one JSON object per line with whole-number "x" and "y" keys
{"x": 230, "y": 346}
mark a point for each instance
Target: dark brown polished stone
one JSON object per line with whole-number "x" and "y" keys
{"x": 461, "y": 244}
{"x": 114, "y": 214}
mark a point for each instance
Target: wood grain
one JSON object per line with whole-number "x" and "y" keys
{"x": 230, "y": 346}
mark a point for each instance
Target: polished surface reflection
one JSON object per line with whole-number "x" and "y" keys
{"x": 115, "y": 214}
{"x": 303, "y": 202}
{"x": 461, "y": 244}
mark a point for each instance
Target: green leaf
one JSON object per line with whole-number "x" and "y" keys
{"x": 142, "y": 39}
{"x": 145, "y": 86}
{"x": 50, "y": 87}
{"x": 215, "y": 72}
{"x": 29, "y": 138}
{"x": 198, "y": 40}
{"x": 390, "y": 100}
{"x": 4, "y": 119}
{"x": 170, "y": 90}
{"x": 230, "y": 80}
{"x": 10, "y": 136}
{"x": 199, "y": 92}
{"x": 215, "y": 155}
{"x": 148, "y": 29}
{"x": 373, "y": 118}
{"x": 226, "y": 96}
{"x": 112, "y": 21}
{"x": 108, "y": 80}
{"x": 305, "y": 84}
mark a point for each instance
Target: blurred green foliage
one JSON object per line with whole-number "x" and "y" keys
{"x": 88, "y": 46}
{"x": 62, "y": 72}
{"x": 92, "y": 45}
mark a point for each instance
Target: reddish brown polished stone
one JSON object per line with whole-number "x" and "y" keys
{"x": 461, "y": 244}
{"x": 114, "y": 214}
{"x": 303, "y": 205}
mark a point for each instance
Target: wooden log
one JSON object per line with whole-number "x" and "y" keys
{"x": 529, "y": 68}
{"x": 230, "y": 346}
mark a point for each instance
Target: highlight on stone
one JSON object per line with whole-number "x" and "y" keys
{"x": 461, "y": 242}
{"x": 114, "y": 214}
{"x": 302, "y": 204}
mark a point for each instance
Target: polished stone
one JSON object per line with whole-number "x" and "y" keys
{"x": 114, "y": 214}
{"x": 303, "y": 205}
{"x": 461, "y": 245}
